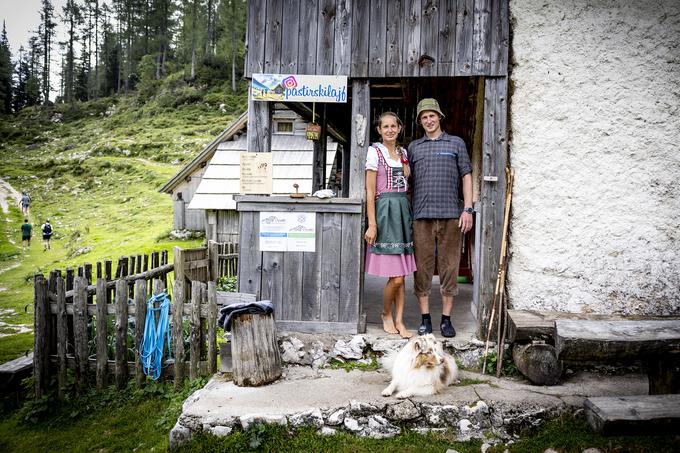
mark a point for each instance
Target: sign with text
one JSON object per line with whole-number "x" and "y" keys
{"x": 287, "y": 231}
{"x": 299, "y": 88}
{"x": 256, "y": 173}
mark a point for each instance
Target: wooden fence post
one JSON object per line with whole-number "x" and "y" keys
{"x": 214, "y": 259}
{"x": 62, "y": 336}
{"x": 41, "y": 305}
{"x": 80, "y": 331}
{"x": 140, "y": 321}
{"x": 178, "y": 261}
{"x": 121, "y": 332}
{"x": 212, "y": 327}
{"x": 102, "y": 350}
{"x": 197, "y": 289}
{"x": 178, "y": 331}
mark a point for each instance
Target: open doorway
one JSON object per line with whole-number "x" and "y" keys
{"x": 461, "y": 100}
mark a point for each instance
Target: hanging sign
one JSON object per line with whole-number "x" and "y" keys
{"x": 287, "y": 231}
{"x": 299, "y": 88}
{"x": 256, "y": 173}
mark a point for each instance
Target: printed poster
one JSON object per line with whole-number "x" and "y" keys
{"x": 287, "y": 231}
{"x": 299, "y": 88}
{"x": 256, "y": 173}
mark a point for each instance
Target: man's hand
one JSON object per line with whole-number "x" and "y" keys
{"x": 465, "y": 222}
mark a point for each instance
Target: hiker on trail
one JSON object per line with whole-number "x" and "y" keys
{"x": 390, "y": 244}
{"x": 24, "y": 202}
{"x": 439, "y": 164}
{"x": 46, "y": 229}
{"x": 26, "y": 235}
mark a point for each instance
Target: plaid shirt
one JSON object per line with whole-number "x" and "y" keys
{"x": 438, "y": 167}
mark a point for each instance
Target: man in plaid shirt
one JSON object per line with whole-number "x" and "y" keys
{"x": 439, "y": 165}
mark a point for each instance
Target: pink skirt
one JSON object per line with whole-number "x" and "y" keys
{"x": 389, "y": 265}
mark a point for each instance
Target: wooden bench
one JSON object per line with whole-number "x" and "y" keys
{"x": 629, "y": 415}
{"x": 14, "y": 371}
{"x": 543, "y": 339}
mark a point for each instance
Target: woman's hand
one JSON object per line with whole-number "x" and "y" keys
{"x": 371, "y": 234}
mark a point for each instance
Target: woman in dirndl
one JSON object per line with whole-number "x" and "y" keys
{"x": 389, "y": 237}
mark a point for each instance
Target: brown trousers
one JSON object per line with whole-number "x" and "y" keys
{"x": 446, "y": 235}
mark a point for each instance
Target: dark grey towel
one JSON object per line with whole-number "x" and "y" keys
{"x": 228, "y": 312}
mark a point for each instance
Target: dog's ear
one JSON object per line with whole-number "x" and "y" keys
{"x": 417, "y": 345}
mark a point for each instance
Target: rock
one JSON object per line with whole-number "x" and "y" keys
{"x": 291, "y": 351}
{"x": 591, "y": 450}
{"x": 386, "y": 345}
{"x": 352, "y": 350}
{"x": 479, "y": 412}
{"x": 436, "y": 415}
{"x": 336, "y": 418}
{"x": 550, "y": 450}
{"x": 464, "y": 425}
{"x": 317, "y": 355}
{"x": 538, "y": 362}
{"x": 485, "y": 446}
{"x": 326, "y": 431}
{"x": 404, "y": 410}
{"x": 380, "y": 428}
{"x": 311, "y": 417}
{"x": 451, "y": 450}
{"x": 248, "y": 420}
{"x": 361, "y": 409}
{"x": 351, "y": 424}
{"x": 179, "y": 435}
{"x": 429, "y": 430}
{"x": 220, "y": 431}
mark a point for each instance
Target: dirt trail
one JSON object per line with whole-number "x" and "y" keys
{"x": 7, "y": 192}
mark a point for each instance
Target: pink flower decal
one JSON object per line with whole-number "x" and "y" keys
{"x": 289, "y": 82}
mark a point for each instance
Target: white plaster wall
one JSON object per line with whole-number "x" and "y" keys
{"x": 595, "y": 143}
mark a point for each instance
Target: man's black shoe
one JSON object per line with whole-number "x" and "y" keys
{"x": 425, "y": 327}
{"x": 447, "y": 329}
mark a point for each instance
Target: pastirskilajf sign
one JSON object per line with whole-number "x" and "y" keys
{"x": 302, "y": 88}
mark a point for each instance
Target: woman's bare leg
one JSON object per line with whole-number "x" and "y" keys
{"x": 399, "y": 302}
{"x": 389, "y": 295}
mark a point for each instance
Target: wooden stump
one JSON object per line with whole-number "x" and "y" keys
{"x": 538, "y": 362}
{"x": 255, "y": 351}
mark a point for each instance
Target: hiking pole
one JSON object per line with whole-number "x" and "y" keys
{"x": 502, "y": 303}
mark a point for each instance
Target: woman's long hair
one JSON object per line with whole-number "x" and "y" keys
{"x": 400, "y": 149}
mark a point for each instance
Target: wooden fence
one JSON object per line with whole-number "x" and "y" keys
{"x": 206, "y": 263}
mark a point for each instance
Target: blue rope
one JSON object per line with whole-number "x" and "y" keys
{"x": 151, "y": 350}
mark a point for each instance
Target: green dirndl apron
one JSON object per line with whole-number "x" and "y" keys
{"x": 393, "y": 217}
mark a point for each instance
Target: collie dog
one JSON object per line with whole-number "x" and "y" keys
{"x": 420, "y": 368}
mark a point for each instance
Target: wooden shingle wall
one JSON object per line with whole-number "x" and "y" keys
{"x": 378, "y": 38}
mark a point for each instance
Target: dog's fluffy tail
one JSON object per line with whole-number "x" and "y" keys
{"x": 387, "y": 361}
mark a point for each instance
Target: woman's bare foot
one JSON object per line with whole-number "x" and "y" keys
{"x": 403, "y": 331}
{"x": 388, "y": 324}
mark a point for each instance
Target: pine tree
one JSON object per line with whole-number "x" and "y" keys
{"x": 19, "y": 94}
{"x": 6, "y": 71}
{"x": 73, "y": 18}
{"x": 46, "y": 33}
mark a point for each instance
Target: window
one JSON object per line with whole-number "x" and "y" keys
{"x": 284, "y": 127}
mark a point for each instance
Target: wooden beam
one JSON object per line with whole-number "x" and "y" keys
{"x": 360, "y": 124}
{"x": 259, "y": 125}
{"x": 629, "y": 415}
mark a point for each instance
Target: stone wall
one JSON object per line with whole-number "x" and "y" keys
{"x": 594, "y": 139}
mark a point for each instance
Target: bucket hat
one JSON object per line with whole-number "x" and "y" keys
{"x": 428, "y": 104}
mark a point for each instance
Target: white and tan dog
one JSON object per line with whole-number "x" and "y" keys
{"x": 420, "y": 368}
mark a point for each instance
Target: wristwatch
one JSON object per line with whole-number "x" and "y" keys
{"x": 469, "y": 210}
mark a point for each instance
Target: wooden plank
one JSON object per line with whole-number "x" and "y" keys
{"x": 62, "y": 337}
{"x": 500, "y": 38}
{"x": 121, "y": 333}
{"x": 413, "y": 18}
{"x": 290, "y": 26}
{"x": 80, "y": 332}
{"x": 226, "y": 298}
{"x": 140, "y": 323}
{"x": 344, "y": 328}
{"x": 602, "y": 340}
{"x": 464, "y": 30}
{"x": 276, "y": 206}
{"x": 429, "y": 38}
{"x": 259, "y": 125}
{"x": 272, "y": 279}
{"x": 342, "y": 51}
{"x": 394, "y": 45}
{"x": 40, "y": 321}
{"x": 377, "y": 42}
{"x": 212, "y": 328}
{"x": 351, "y": 269}
{"x": 311, "y": 277}
{"x": 360, "y": 39}
{"x": 101, "y": 340}
{"x": 214, "y": 260}
{"x": 481, "y": 37}
{"x": 447, "y": 38}
{"x": 309, "y": 16}
{"x": 494, "y": 159}
{"x": 197, "y": 289}
{"x": 629, "y": 415}
{"x": 178, "y": 261}
{"x": 254, "y": 42}
{"x": 330, "y": 266}
{"x": 273, "y": 36}
{"x": 325, "y": 37}
{"x": 360, "y": 128}
{"x": 292, "y": 287}
{"x": 178, "y": 333}
{"x": 250, "y": 257}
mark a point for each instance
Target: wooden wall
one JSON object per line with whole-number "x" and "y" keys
{"x": 378, "y": 38}
{"x": 311, "y": 291}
